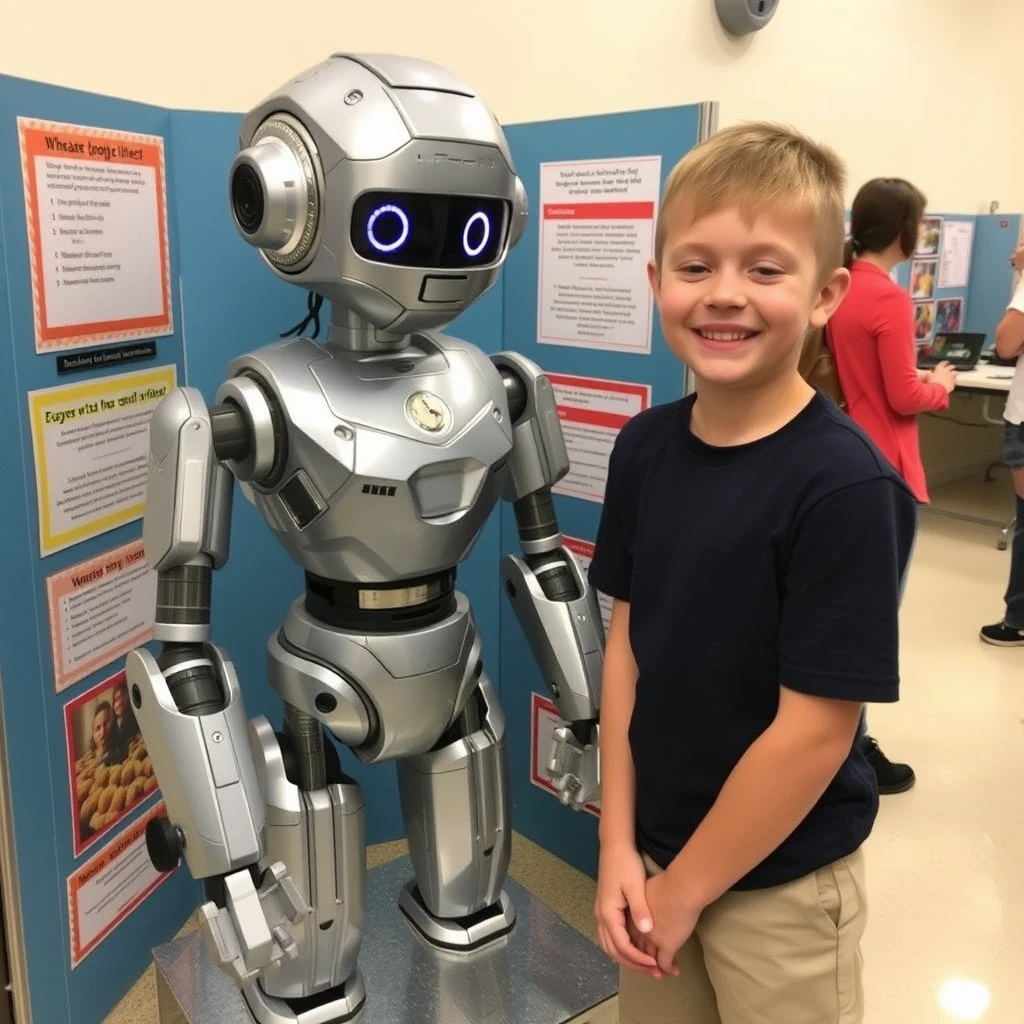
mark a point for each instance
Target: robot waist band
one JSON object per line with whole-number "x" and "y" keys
{"x": 373, "y": 606}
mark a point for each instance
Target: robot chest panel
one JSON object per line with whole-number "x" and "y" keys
{"x": 436, "y": 442}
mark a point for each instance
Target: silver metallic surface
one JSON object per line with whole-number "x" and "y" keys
{"x": 346, "y": 1008}
{"x": 455, "y": 811}
{"x": 541, "y": 545}
{"x": 299, "y": 682}
{"x": 566, "y": 637}
{"x": 252, "y": 931}
{"x": 379, "y": 122}
{"x": 400, "y": 501}
{"x": 544, "y": 973}
{"x": 204, "y": 765}
{"x": 574, "y": 768}
{"x": 246, "y": 395}
{"x": 188, "y": 492}
{"x": 320, "y": 837}
{"x": 284, "y": 159}
{"x": 377, "y": 459}
{"x": 455, "y": 935}
{"x": 416, "y": 683}
{"x": 539, "y": 458}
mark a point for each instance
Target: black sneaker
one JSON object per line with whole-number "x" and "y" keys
{"x": 892, "y": 777}
{"x": 1002, "y": 635}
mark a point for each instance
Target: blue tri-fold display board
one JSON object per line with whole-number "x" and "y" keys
{"x": 224, "y": 301}
{"x": 976, "y": 304}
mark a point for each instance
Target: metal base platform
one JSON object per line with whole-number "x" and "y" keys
{"x": 542, "y": 972}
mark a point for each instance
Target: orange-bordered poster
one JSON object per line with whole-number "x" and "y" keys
{"x": 109, "y": 886}
{"x": 96, "y": 213}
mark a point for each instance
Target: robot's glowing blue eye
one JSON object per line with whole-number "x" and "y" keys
{"x": 387, "y": 228}
{"x": 476, "y": 234}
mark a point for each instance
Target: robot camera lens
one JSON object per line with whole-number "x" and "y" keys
{"x": 387, "y": 228}
{"x": 476, "y": 234}
{"x": 247, "y": 198}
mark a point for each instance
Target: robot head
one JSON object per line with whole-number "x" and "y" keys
{"x": 382, "y": 183}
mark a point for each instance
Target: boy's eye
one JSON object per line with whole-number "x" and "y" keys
{"x": 692, "y": 268}
{"x": 763, "y": 271}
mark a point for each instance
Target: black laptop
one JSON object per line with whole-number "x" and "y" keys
{"x": 961, "y": 349}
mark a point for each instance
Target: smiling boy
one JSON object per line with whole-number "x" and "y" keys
{"x": 753, "y": 540}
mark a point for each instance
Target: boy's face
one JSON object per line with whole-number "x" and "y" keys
{"x": 736, "y": 298}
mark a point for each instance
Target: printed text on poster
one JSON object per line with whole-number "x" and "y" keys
{"x": 96, "y": 211}
{"x": 91, "y": 448}
{"x": 596, "y": 238}
{"x": 592, "y": 412}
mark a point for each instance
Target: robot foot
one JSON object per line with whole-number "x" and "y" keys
{"x": 342, "y": 1005}
{"x": 460, "y": 934}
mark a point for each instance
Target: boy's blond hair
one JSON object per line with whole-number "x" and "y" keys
{"x": 758, "y": 166}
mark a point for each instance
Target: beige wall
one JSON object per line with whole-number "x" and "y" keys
{"x": 918, "y": 88}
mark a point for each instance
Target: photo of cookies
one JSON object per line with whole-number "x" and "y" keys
{"x": 109, "y": 769}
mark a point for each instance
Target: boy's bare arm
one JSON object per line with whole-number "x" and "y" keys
{"x": 618, "y": 692}
{"x": 773, "y": 787}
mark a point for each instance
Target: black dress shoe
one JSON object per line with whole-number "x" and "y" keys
{"x": 892, "y": 777}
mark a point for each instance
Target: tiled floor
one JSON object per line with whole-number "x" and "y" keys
{"x": 945, "y": 943}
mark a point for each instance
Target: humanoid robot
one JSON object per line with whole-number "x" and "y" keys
{"x": 384, "y": 185}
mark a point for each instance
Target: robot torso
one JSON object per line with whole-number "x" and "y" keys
{"x": 391, "y": 461}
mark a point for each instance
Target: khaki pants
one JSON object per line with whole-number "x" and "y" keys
{"x": 785, "y": 955}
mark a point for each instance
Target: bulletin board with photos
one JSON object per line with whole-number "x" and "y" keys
{"x": 938, "y": 278}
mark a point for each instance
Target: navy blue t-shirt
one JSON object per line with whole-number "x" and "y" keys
{"x": 771, "y": 563}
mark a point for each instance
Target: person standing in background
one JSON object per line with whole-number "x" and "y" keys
{"x": 1009, "y": 632}
{"x": 872, "y": 339}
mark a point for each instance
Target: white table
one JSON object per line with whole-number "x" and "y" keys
{"x": 992, "y": 382}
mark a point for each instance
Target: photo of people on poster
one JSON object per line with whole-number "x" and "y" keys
{"x": 924, "y": 322}
{"x": 922, "y": 279}
{"x": 949, "y": 316}
{"x": 109, "y": 768}
{"x": 930, "y": 237}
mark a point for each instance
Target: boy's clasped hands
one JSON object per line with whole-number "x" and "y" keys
{"x": 642, "y": 922}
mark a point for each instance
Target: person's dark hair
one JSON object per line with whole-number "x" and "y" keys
{"x": 885, "y": 210}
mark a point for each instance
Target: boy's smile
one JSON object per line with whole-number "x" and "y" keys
{"x": 736, "y": 294}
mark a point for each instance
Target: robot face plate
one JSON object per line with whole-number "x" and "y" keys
{"x": 382, "y": 184}
{"x": 420, "y": 230}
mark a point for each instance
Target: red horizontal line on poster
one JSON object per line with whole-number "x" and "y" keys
{"x": 579, "y": 547}
{"x": 592, "y": 417}
{"x": 599, "y": 211}
{"x": 618, "y": 386}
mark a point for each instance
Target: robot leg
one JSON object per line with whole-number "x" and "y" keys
{"x": 455, "y": 805}
{"x": 319, "y": 834}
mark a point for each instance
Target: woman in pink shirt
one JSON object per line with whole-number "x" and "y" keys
{"x": 872, "y": 340}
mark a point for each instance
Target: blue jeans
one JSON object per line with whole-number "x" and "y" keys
{"x": 1013, "y": 456}
{"x": 862, "y": 729}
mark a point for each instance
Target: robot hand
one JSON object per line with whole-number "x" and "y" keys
{"x": 575, "y": 768}
{"x": 252, "y": 932}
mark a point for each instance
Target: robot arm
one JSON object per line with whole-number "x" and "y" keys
{"x": 187, "y": 699}
{"x": 552, "y": 598}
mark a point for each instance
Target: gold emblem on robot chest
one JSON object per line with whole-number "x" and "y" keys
{"x": 428, "y": 412}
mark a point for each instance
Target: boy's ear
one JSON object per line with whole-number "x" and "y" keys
{"x": 830, "y": 297}
{"x": 654, "y": 276}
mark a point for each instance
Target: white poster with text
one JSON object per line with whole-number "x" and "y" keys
{"x": 110, "y": 885}
{"x": 592, "y": 411}
{"x": 596, "y": 238}
{"x": 99, "y": 610}
{"x": 96, "y": 213}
